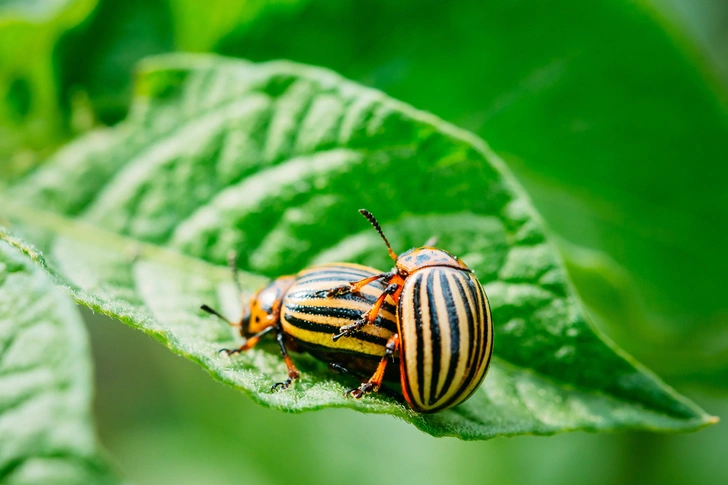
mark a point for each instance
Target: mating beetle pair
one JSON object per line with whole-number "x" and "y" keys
{"x": 430, "y": 312}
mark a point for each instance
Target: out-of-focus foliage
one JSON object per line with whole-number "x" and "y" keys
{"x": 30, "y": 115}
{"x": 45, "y": 382}
{"x": 219, "y": 154}
{"x": 705, "y": 22}
{"x": 99, "y": 57}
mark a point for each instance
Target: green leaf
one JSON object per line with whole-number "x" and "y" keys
{"x": 603, "y": 159}
{"x": 612, "y": 135}
{"x": 45, "y": 382}
{"x": 598, "y": 129}
{"x": 30, "y": 113}
{"x": 274, "y": 159}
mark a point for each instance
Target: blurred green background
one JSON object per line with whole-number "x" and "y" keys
{"x": 612, "y": 113}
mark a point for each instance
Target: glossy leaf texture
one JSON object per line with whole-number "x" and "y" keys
{"x": 45, "y": 382}
{"x": 273, "y": 160}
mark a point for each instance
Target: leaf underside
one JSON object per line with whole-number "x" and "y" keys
{"x": 273, "y": 160}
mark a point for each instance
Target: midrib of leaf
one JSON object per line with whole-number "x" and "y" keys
{"x": 134, "y": 249}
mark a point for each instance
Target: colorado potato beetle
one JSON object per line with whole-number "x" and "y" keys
{"x": 297, "y": 311}
{"x": 444, "y": 329}
{"x": 429, "y": 312}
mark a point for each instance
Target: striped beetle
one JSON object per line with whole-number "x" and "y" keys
{"x": 430, "y": 312}
{"x": 300, "y": 315}
{"x": 444, "y": 329}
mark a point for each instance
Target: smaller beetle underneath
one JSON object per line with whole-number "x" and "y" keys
{"x": 430, "y": 313}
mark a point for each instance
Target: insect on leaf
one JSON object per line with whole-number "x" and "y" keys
{"x": 273, "y": 160}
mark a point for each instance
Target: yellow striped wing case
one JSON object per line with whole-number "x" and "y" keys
{"x": 310, "y": 318}
{"x": 446, "y": 336}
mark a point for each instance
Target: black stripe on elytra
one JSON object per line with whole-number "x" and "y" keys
{"x": 332, "y": 329}
{"x": 471, "y": 321}
{"x": 328, "y": 351}
{"x": 417, "y": 302}
{"x": 453, "y": 321}
{"x": 345, "y": 274}
{"x": 307, "y": 295}
{"x": 337, "y": 280}
{"x": 488, "y": 336}
{"x": 350, "y": 314}
{"x": 435, "y": 341}
{"x": 486, "y": 323}
{"x": 479, "y": 343}
{"x": 472, "y": 374}
{"x": 483, "y": 323}
{"x": 471, "y": 368}
{"x": 404, "y": 345}
{"x": 338, "y": 270}
{"x": 479, "y": 318}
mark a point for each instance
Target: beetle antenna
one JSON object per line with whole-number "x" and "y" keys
{"x": 232, "y": 258}
{"x": 217, "y": 314}
{"x": 373, "y": 221}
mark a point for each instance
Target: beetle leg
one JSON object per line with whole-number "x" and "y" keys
{"x": 371, "y": 315}
{"x": 339, "y": 369}
{"x": 356, "y": 286}
{"x": 373, "y": 384}
{"x": 293, "y": 373}
{"x": 250, "y": 343}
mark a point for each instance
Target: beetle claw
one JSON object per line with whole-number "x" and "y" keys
{"x": 347, "y": 330}
{"x": 359, "y": 392}
{"x": 337, "y": 336}
{"x": 339, "y": 290}
{"x": 228, "y": 352}
{"x": 281, "y": 385}
{"x": 355, "y": 393}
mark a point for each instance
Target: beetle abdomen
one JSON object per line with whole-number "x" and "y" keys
{"x": 446, "y": 337}
{"x": 308, "y": 316}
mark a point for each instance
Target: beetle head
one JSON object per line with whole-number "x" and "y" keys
{"x": 256, "y": 314}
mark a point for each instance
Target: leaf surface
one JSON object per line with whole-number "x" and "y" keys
{"x": 612, "y": 136}
{"x": 597, "y": 128}
{"x": 45, "y": 382}
{"x": 273, "y": 160}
